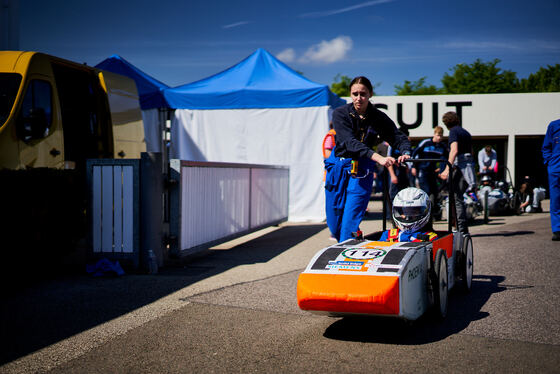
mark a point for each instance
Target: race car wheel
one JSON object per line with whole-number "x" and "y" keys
{"x": 485, "y": 207}
{"x": 467, "y": 263}
{"x": 441, "y": 286}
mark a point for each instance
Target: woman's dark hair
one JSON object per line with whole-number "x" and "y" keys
{"x": 364, "y": 81}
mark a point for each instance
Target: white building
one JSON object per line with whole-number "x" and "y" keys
{"x": 514, "y": 124}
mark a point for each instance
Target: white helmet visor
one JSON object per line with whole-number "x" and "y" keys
{"x": 409, "y": 214}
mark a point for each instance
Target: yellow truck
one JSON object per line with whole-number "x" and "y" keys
{"x": 55, "y": 114}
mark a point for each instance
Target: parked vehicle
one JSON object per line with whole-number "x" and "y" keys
{"x": 474, "y": 206}
{"x": 54, "y": 115}
{"x": 499, "y": 197}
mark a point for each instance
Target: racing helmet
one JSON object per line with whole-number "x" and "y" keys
{"x": 486, "y": 180}
{"x": 411, "y": 209}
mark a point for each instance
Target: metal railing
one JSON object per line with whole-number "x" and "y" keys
{"x": 208, "y": 203}
{"x": 214, "y": 202}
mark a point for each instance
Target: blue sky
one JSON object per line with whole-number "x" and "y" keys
{"x": 389, "y": 41}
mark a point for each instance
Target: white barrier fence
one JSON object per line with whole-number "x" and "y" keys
{"x": 114, "y": 208}
{"x": 215, "y": 202}
{"x": 208, "y": 203}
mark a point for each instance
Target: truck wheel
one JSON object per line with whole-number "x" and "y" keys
{"x": 467, "y": 264}
{"x": 441, "y": 286}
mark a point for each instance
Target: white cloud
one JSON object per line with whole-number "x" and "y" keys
{"x": 287, "y": 55}
{"x": 235, "y": 24}
{"x": 327, "y": 13}
{"x": 328, "y": 51}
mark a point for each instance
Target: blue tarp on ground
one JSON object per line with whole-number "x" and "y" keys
{"x": 149, "y": 89}
{"x": 259, "y": 81}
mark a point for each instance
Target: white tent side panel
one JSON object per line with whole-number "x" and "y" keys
{"x": 152, "y": 130}
{"x": 290, "y": 136}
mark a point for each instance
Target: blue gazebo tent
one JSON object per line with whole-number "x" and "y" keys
{"x": 259, "y": 81}
{"x": 258, "y": 111}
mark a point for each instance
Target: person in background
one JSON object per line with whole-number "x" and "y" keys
{"x": 427, "y": 172}
{"x": 551, "y": 157}
{"x": 488, "y": 161}
{"x": 329, "y": 141}
{"x": 359, "y": 127}
{"x": 486, "y": 186}
{"x": 530, "y": 197}
{"x": 460, "y": 156}
{"x": 328, "y": 145}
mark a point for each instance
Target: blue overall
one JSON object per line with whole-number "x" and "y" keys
{"x": 347, "y": 197}
{"x": 551, "y": 156}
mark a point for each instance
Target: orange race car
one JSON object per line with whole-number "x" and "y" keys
{"x": 388, "y": 278}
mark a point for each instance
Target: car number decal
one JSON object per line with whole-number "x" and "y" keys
{"x": 363, "y": 254}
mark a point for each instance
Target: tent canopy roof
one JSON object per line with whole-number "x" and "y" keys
{"x": 149, "y": 88}
{"x": 259, "y": 81}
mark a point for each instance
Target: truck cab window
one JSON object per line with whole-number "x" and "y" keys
{"x": 9, "y": 86}
{"x": 35, "y": 116}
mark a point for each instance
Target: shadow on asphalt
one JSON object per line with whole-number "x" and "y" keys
{"x": 463, "y": 309}
{"x": 504, "y": 233}
{"x": 50, "y": 310}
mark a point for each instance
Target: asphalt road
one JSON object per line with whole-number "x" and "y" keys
{"x": 235, "y": 310}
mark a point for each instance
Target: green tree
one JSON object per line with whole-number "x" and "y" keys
{"x": 480, "y": 77}
{"x": 544, "y": 80}
{"x": 417, "y": 88}
{"x": 341, "y": 84}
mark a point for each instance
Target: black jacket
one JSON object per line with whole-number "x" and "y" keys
{"x": 355, "y": 137}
